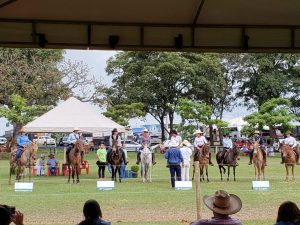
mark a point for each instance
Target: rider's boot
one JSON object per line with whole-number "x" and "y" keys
{"x": 153, "y": 159}
{"x": 138, "y": 158}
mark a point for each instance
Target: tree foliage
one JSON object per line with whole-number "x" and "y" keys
{"x": 124, "y": 112}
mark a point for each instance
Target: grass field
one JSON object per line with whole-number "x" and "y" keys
{"x": 54, "y": 201}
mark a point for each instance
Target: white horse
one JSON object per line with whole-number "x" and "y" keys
{"x": 146, "y": 163}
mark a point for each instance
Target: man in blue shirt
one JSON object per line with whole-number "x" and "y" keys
{"x": 22, "y": 142}
{"x": 258, "y": 137}
{"x": 174, "y": 161}
{"x": 72, "y": 138}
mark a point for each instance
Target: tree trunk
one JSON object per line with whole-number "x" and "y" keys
{"x": 211, "y": 138}
{"x": 162, "y": 127}
{"x": 171, "y": 119}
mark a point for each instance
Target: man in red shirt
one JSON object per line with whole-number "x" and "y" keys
{"x": 222, "y": 204}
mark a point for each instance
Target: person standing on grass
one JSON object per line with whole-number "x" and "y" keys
{"x": 174, "y": 161}
{"x": 40, "y": 166}
{"x": 123, "y": 165}
{"x": 222, "y": 204}
{"x": 101, "y": 160}
{"x": 186, "y": 152}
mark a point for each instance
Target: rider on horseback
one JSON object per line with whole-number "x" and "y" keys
{"x": 258, "y": 138}
{"x": 72, "y": 138}
{"x": 115, "y": 137}
{"x": 291, "y": 141}
{"x": 227, "y": 146}
{"x": 144, "y": 140}
{"x": 199, "y": 142}
{"x": 22, "y": 142}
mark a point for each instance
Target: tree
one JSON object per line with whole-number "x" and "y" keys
{"x": 20, "y": 113}
{"x": 156, "y": 79}
{"x": 272, "y": 113}
{"x": 123, "y": 113}
{"x": 267, "y": 76}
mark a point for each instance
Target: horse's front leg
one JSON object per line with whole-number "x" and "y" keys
{"x": 206, "y": 169}
{"x": 293, "y": 166}
{"x": 286, "y": 172}
{"x": 234, "y": 173}
{"x": 119, "y": 171}
{"x": 77, "y": 173}
{"x": 143, "y": 173}
{"x": 69, "y": 169}
{"x": 220, "y": 169}
{"x": 228, "y": 172}
{"x": 73, "y": 174}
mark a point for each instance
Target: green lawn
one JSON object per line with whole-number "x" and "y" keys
{"x": 54, "y": 201}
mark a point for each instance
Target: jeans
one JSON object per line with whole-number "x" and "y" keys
{"x": 52, "y": 171}
{"x": 101, "y": 169}
{"x": 123, "y": 168}
{"x": 175, "y": 169}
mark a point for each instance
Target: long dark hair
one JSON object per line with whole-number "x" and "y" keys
{"x": 91, "y": 212}
{"x": 288, "y": 212}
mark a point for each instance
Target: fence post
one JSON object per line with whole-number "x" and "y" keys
{"x": 198, "y": 190}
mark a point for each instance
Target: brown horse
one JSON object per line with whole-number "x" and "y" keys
{"x": 202, "y": 155}
{"x": 289, "y": 157}
{"x": 229, "y": 160}
{"x": 26, "y": 160}
{"x": 74, "y": 160}
{"x": 258, "y": 162}
{"x": 115, "y": 160}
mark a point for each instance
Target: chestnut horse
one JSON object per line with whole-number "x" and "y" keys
{"x": 202, "y": 156}
{"x": 115, "y": 160}
{"x": 229, "y": 160}
{"x": 258, "y": 162}
{"x": 289, "y": 157}
{"x": 26, "y": 160}
{"x": 74, "y": 161}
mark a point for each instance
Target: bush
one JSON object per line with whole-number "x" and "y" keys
{"x": 135, "y": 168}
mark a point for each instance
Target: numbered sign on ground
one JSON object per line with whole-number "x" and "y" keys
{"x": 261, "y": 185}
{"x": 105, "y": 185}
{"x": 183, "y": 185}
{"x": 23, "y": 186}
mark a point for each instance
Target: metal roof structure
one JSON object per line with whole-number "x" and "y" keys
{"x": 187, "y": 25}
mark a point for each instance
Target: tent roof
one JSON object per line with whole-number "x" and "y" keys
{"x": 70, "y": 114}
{"x": 206, "y": 25}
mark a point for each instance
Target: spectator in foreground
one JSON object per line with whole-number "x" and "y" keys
{"x": 288, "y": 214}
{"x": 7, "y": 216}
{"x": 92, "y": 214}
{"x": 222, "y": 204}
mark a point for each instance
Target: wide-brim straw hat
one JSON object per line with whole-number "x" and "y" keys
{"x": 145, "y": 130}
{"x": 198, "y": 132}
{"x": 76, "y": 129}
{"x": 223, "y": 203}
{"x": 186, "y": 143}
{"x": 22, "y": 130}
{"x": 256, "y": 132}
{"x": 173, "y": 143}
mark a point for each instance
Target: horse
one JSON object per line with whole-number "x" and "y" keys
{"x": 258, "y": 162}
{"x": 146, "y": 163}
{"x": 26, "y": 160}
{"x": 74, "y": 161}
{"x": 202, "y": 157}
{"x": 290, "y": 160}
{"x": 229, "y": 160}
{"x": 115, "y": 160}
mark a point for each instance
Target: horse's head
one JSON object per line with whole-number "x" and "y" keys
{"x": 255, "y": 147}
{"x": 236, "y": 150}
{"x": 285, "y": 149}
{"x": 78, "y": 146}
{"x": 114, "y": 146}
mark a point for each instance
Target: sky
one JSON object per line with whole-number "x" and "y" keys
{"x": 96, "y": 60}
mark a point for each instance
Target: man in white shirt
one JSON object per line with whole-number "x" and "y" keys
{"x": 175, "y": 136}
{"x": 291, "y": 141}
{"x": 227, "y": 146}
{"x": 199, "y": 142}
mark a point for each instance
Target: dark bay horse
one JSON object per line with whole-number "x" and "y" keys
{"x": 290, "y": 160}
{"x": 26, "y": 160}
{"x": 115, "y": 160}
{"x": 74, "y": 160}
{"x": 202, "y": 156}
{"x": 229, "y": 160}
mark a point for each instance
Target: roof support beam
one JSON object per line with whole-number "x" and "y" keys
{"x": 198, "y": 12}
{"x": 5, "y": 3}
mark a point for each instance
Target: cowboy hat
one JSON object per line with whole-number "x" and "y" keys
{"x": 289, "y": 132}
{"x": 173, "y": 143}
{"x": 173, "y": 132}
{"x": 256, "y": 132}
{"x": 22, "y": 130}
{"x": 223, "y": 203}
{"x": 115, "y": 130}
{"x": 76, "y": 129}
{"x": 145, "y": 130}
{"x": 186, "y": 143}
{"x": 198, "y": 132}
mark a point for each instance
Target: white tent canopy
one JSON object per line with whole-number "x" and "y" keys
{"x": 73, "y": 113}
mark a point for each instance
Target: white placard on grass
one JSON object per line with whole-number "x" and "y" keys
{"x": 23, "y": 186}
{"x": 105, "y": 185}
{"x": 183, "y": 185}
{"x": 261, "y": 185}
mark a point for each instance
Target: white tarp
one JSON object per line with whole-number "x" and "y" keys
{"x": 73, "y": 113}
